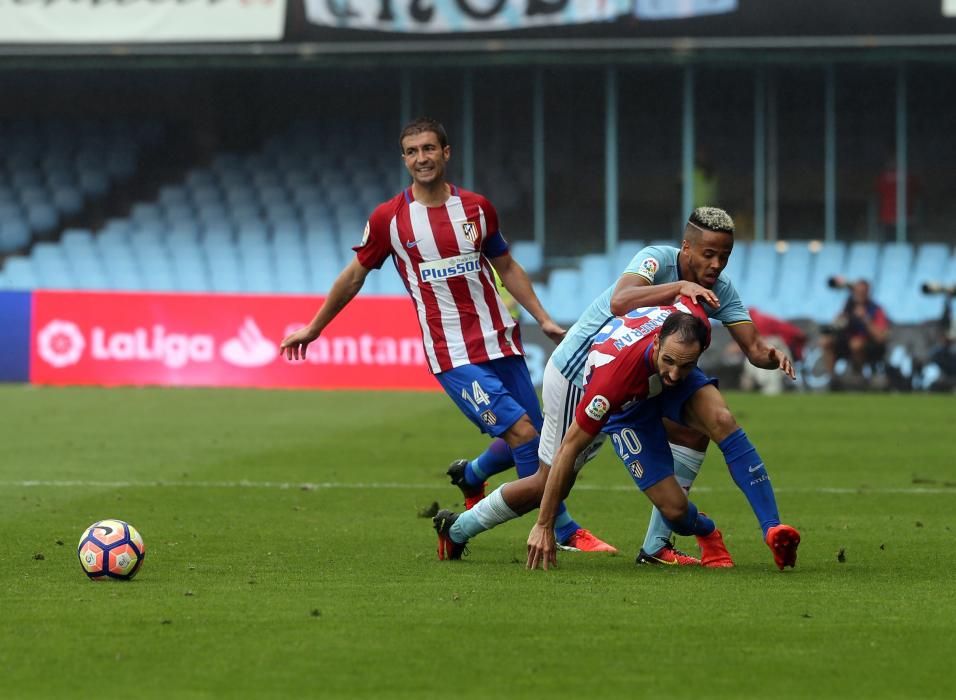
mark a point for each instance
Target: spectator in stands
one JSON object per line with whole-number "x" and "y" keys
{"x": 859, "y": 332}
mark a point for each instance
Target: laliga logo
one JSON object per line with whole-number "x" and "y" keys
{"x": 61, "y": 343}
{"x": 250, "y": 349}
{"x": 174, "y": 350}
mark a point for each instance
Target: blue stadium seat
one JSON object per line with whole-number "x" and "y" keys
{"x": 68, "y": 200}
{"x": 794, "y": 278}
{"x": 51, "y": 267}
{"x": 737, "y": 265}
{"x": 596, "y": 274}
{"x": 88, "y": 271}
{"x": 14, "y": 235}
{"x": 759, "y": 284}
{"x": 529, "y": 255}
{"x": 155, "y": 267}
{"x": 626, "y": 250}
{"x": 324, "y": 261}
{"x": 78, "y": 241}
{"x": 42, "y": 218}
{"x": 18, "y": 273}
{"x": 565, "y": 300}
{"x": 930, "y": 265}
{"x": 189, "y": 268}
{"x": 821, "y": 303}
{"x": 222, "y": 261}
{"x": 292, "y": 275}
{"x": 256, "y": 271}
{"x": 893, "y": 279}
{"x": 862, "y": 261}
{"x": 390, "y": 283}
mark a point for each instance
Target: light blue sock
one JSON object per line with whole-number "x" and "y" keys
{"x": 687, "y": 463}
{"x": 526, "y": 463}
{"x": 488, "y": 513}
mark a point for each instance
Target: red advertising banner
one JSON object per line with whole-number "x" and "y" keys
{"x": 113, "y": 339}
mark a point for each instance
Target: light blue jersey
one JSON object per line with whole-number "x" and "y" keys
{"x": 658, "y": 265}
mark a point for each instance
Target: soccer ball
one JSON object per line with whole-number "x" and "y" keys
{"x": 111, "y": 549}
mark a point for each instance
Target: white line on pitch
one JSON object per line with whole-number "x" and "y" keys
{"x": 310, "y": 486}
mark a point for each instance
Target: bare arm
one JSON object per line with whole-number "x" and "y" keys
{"x": 516, "y": 281}
{"x": 541, "y": 545}
{"x": 344, "y": 289}
{"x": 760, "y": 352}
{"x": 634, "y": 292}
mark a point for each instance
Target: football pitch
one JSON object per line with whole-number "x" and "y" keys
{"x": 287, "y": 556}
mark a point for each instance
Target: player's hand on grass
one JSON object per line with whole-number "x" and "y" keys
{"x": 295, "y": 344}
{"x": 698, "y": 293}
{"x": 783, "y": 362}
{"x": 553, "y": 331}
{"x": 541, "y": 547}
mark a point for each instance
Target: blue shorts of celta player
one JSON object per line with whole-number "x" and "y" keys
{"x": 493, "y": 395}
{"x": 640, "y": 441}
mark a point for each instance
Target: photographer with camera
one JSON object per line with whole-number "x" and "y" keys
{"x": 859, "y": 333}
{"x": 943, "y": 354}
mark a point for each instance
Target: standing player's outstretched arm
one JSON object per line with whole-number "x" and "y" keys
{"x": 344, "y": 289}
{"x": 541, "y": 545}
{"x": 760, "y": 352}
{"x": 517, "y": 282}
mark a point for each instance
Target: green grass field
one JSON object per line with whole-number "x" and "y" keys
{"x": 254, "y": 586}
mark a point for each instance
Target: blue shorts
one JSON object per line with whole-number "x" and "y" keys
{"x": 640, "y": 441}
{"x": 673, "y": 398}
{"x": 639, "y": 437}
{"x": 493, "y": 395}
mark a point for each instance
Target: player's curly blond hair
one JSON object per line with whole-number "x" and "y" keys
{"x": 712, "y": 219}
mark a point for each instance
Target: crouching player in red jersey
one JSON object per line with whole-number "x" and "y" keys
{"x": 631, "y": 360}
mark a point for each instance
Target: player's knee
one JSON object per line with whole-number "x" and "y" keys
{"x": 723, "y": 424}
{"x": 686, "y": 437}
{"x": 523, "y": 431}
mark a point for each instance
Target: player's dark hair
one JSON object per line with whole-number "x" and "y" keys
{"x": 420, "y": 126}
{"x": 708, "y": 219}
{"x": 687, "y": 327}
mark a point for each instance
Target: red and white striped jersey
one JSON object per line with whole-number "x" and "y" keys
{"x": 441, "y": 253}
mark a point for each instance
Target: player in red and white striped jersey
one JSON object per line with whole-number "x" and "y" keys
{"x": 446, "y": 244}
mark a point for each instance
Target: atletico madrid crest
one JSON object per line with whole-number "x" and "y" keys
{"x": 470, "y": 229}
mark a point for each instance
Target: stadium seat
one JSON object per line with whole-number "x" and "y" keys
{"x": 761, "y": 273}
{"x": 529, "y": 255}
{"x": 737, "y": 266}
{"x": 565, "y": 300}
{"x": 626, "y": 250}
{"x": 930, "y": 265}
{"x": 893, "y": 277}
{"x": 821, "y": 303}
{"x": 794, "y": 277}
{"x": 18, "y": 273}
{"x": 189, "y": 271}
{"x": 51, "y": 267}
{"x": 596, "y": 275}
{"x": 862, "y": 262}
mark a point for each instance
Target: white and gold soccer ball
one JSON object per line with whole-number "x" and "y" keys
{"x": 111, "y": 549}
